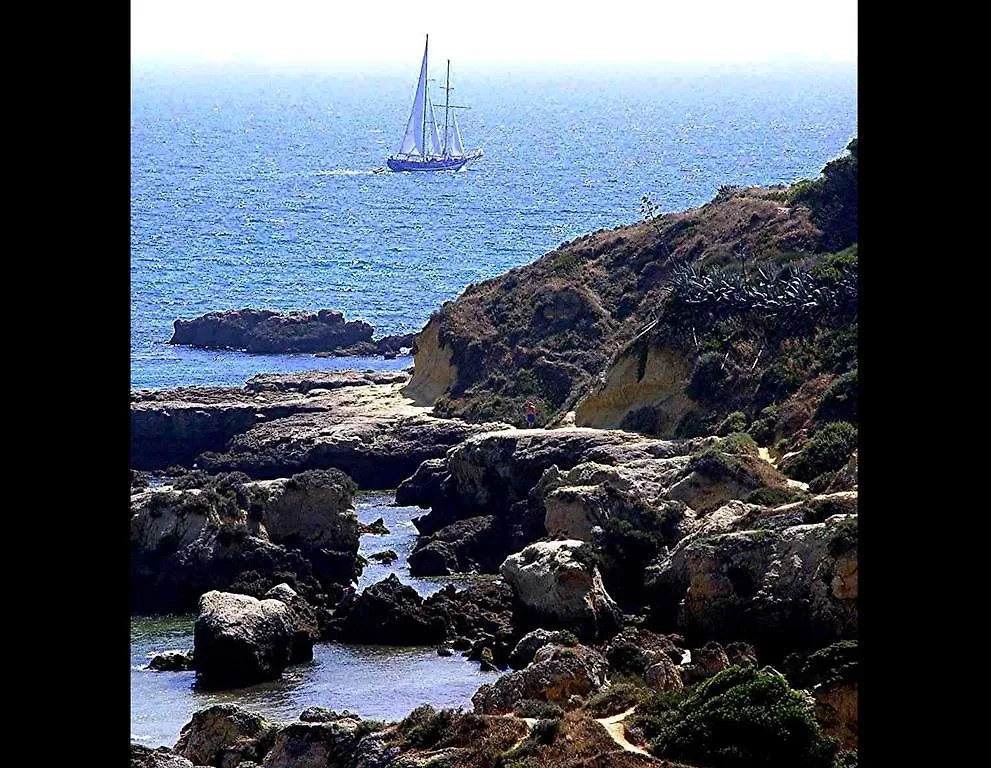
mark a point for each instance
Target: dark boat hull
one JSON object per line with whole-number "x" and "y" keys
{"x": 430, "y": 164}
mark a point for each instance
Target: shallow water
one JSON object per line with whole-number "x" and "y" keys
{"x": 378, "y": 682}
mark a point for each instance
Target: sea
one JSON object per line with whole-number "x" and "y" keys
{"x": 255, "y": 187}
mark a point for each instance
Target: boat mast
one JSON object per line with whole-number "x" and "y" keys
{"x": 426, "y": 96}
{"x": 447, "y": 103}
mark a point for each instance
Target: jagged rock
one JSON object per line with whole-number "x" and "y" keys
{"x": 302, "y": 619}
{"x": 243, "y": 537}
{"x": 556, "y": 674}
{"x": 445, "y": 652}
{"x": 556, "y": 582}
{"x": 386, "y": 556}
{"x": 225, "y": 734}
{"x": 239, "y": 640}
{"x": 161, "y": 757}
{"x": 532, "y": 642}
{"x": 171, "y": 661}
{"x": 740, "y": 654}
{"x": 475, "y": 544}
{"x": 388, "y": 612}
{"x": 374, "y": 528}
{"x": 707, "y": 661}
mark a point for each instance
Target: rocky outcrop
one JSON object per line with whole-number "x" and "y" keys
{"x": 236, "y": 535}
{"x": 162, "y": 757}
{"x": 388, "y": 612}
{"x": 634, "y": 650}
{"x": 556, "y": 675}
{"x": 556, "y": 322}
{"x": 532, "y": 642}
{"x": 225, "y": 735}
{"x": 265, "y": 331}
{"x": 314, "y": 744}
{"x": 239, "y": 640}
{"x": 475, "y": 544}
{"x": 779, "y": 586}
{"x": 556, "y": 583}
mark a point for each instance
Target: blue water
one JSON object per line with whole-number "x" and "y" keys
{"x": 374, "y": 681}
{"x": 256, "y": 188}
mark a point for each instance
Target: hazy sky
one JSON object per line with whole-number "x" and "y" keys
{"x": 476, "y": 32}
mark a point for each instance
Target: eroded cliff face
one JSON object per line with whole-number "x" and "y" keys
{"x": 545, "y": 332}
{"x": 644, "y": 389}
{"x": 434, "y": 373}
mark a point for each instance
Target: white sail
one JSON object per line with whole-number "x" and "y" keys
{"x": 455, "y": 148}
{"x": 434, "y": 138}
{"x": 413, "y": 139}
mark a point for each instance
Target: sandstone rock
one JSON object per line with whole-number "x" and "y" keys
{"x": 556, "y": 582}
{"x": 634, "y": 650}
{"x": 239, "y": 640}
{"x": 225, "y": 734}
{"x": 313, "y": 744}
{"x": 475, "y": 544}
{"x": 556, "y": 674}
{"x": 171, "y": 661}
{"x": 779, "y": 589}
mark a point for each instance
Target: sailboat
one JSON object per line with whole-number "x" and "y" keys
{"x": 424, "y": 148}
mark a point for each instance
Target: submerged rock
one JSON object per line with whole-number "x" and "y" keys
{"x": 171, "y": 661}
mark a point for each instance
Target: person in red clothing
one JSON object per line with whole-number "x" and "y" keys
{"x": 531, "y": 414}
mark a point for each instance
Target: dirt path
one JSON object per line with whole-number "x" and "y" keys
{"x": 766, "y": 456}
{"x": 614, "y": 727}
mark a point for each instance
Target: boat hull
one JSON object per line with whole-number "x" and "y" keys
{"x": 430, "y": 164}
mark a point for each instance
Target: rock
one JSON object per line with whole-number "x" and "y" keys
{"x": 634, "y": 650}
{"x": 780, "y": 589}
{"x": 663, "y": 675}
{"x": 388, "y": 612}
{"x": 162, "y": 757}
{"x": 445, "y": 652}
{"x": 386, "y": 556}
{"x": 374, "y": 528}
{"x": 837, "y": 712}
{"x": 557, "y": 582}
{"x": 171, "y": 661}
{"x": 239, "y": 640}
{"x": 302, "y": 621}
{"x": 225, "y": 734}
{"x": 264, "y": 331}
{"x": 475, "y": 544}
{"x": 243, "y": 537}
{"x": 556, "y": 674}
{"x": 739, "y": 654}
{"x": 707, "y": 661}
{"x": 314, "y": 745}
{"x": 533, "y": 641}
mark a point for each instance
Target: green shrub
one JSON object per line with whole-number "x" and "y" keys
{"x": 425, "y": 726}
{"x": 832, "y": 200}
{"x": 762, "y": 428}
{"x": 774, "y": 497}
{"x": 709, "y": 378}
{"x": 839, "y": 401}
{"x": 618, "y": 697}
{"x": 742, "y": 717}
{"x": 734, "y": 422}
{"x": 739, "y": 444}
{"x": 828, "y": 450}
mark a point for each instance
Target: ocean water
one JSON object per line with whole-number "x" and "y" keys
{"x": 259, "y": 188}
{"x": 375, "y": 681}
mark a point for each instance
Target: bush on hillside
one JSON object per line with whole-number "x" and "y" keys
{"x": 827, "y": 451}
{"x": 742, "y": 717}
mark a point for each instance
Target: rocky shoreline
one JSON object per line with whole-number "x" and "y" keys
{"x": 675, "y": 580}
